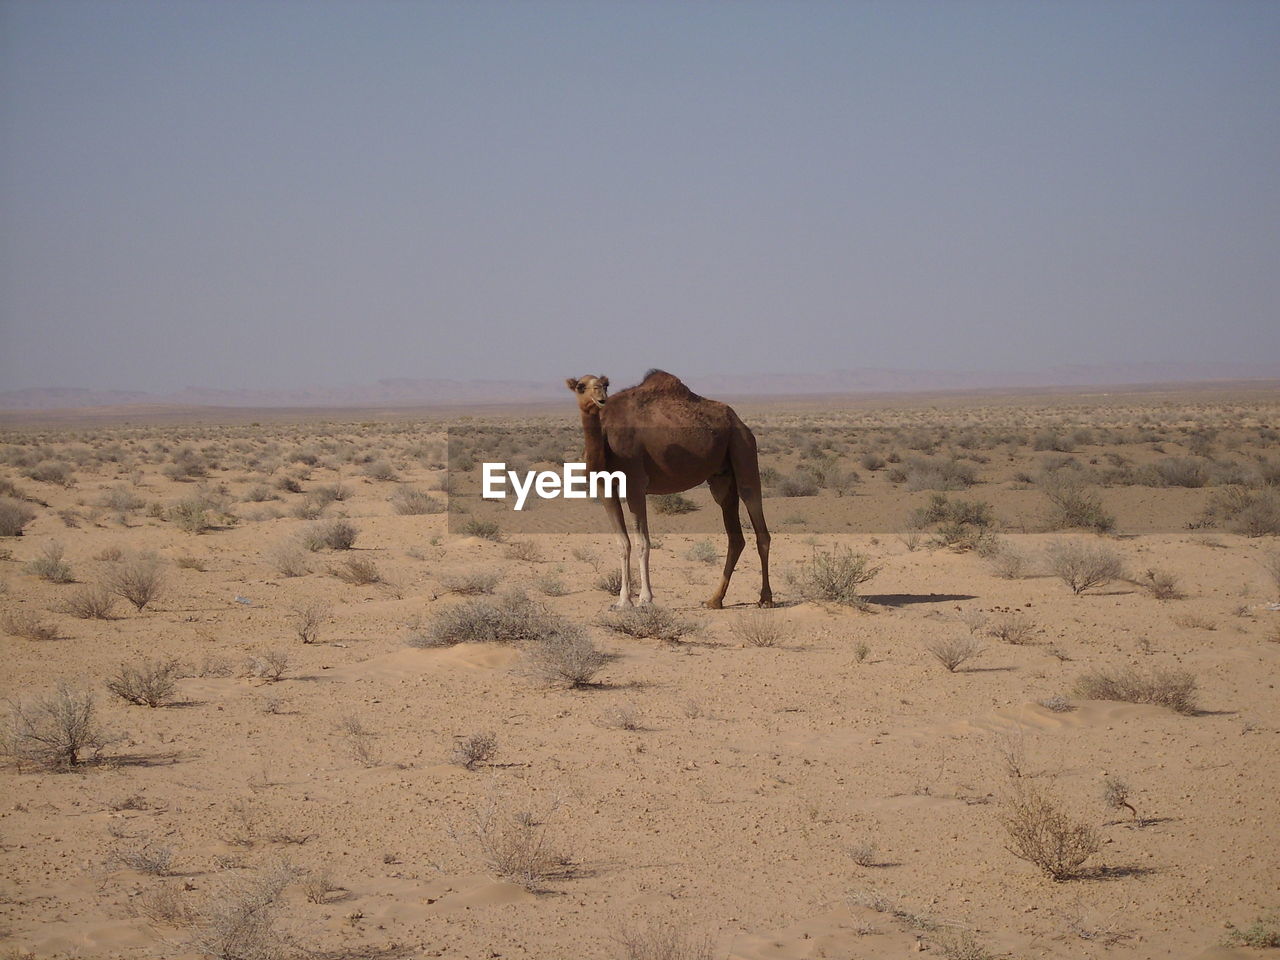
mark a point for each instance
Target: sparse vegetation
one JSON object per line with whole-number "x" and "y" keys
{"x": 58, "y": 730}
{"x": 308, "y": 617}
{"x": 474, "y": 749}
{"x": 149, "y": 684}
{"x": 14, "y": 517}
{"x": 140, "y": 581}
{"x": 331, "y": 535}
{"x": 670, "y": 504}
{"x": 50, "y": 566}
{"x": 89, "y": 602}
{"x": 953, "y": 652}
{"x": 566, "y": 656}
{"x": 759, "y": 629}
{"x": 358, "y": 571}
{"x": 650, "y": 622}
{"x": 1041, "y": 832}
{"x": 834, "y": 576}
{"x": 1083, "y": 566}
{"x": 1175, "y": 689}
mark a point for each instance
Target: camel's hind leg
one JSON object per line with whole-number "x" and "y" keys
{"x": 613, "y": 507}
{"x": 725, "y": 492}
{"x": 746, "y": 472}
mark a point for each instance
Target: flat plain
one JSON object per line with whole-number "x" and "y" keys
{"x": 1017, "y": 698}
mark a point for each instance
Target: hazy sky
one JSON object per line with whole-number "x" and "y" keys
{"x": 249, "y": 194}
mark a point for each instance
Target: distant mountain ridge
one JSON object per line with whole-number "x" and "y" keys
{"x": 404, "y": 391}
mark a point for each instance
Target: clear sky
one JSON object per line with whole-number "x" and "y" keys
{"x": 271, "y": 193}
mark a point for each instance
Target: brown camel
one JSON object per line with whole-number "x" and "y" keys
{"x": 665, "y": 439}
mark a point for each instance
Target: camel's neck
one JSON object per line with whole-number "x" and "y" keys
{"x": 593, "y": 434}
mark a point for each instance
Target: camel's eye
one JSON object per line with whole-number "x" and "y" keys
{"x": 581, "y": 388}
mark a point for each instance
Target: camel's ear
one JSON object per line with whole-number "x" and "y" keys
{"x": 604, "y": 382}
{"x": 572, "y": 384}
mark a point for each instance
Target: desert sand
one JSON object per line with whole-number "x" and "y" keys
{"x": 833, "y": 793}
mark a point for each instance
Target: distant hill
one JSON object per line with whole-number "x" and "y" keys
{"x": 442, "y": 392}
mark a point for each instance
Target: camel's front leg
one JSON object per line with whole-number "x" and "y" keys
{"x": 640, "y": 510}
{"x": 613, "y": 507}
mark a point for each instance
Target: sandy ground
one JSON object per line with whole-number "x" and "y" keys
{"x": 754, "y": 778}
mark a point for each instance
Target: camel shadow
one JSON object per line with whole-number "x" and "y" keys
{"x": 909, "y": 599}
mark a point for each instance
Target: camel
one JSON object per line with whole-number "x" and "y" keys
{"x": 666, "y": 439}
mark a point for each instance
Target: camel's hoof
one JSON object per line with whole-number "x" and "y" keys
{"x": 766, "y": 604}
{"x": 714, "y": 604}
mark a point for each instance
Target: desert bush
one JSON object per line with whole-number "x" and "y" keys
{"x": 1175, "y": 689}
{"x": 332, "y": 535}
{"x": 1013, "y": 628}
{"x": 798, "y": 485}
{"x": 289, "y": 559}
{"x": 55, "y": 730}
{"x": 50, "y": 566}
{"x": 119, "y": 499}
{"x": 260, "y": 493}
{"x": 51, "y": 471}
{"x": 517, "y": 845}
{"x": 1115, "y": 794}
{"x": 139, "y": 581}
{"x": 1180, "y": 472}
{"x": 871, "y": 462}
{"x": 1253, "y": 513}
{"x": 960, "y": 945}
{"x": 168, "y": 904}
{"x": 526, "y": 551}
{"x": 90, "y": 602}
{"x": 476, "y": 748}
{"x": 833, "y": 576}
{"x": 408, "y": 501}
{"x": 187, "y": 465}
{"x": 1083, "y": 566}
{"x": 933, "y": 473}
{"x": 308, "y": 508}
{"x": 951, "y": 652}
{"x": 27, "y": 625}
{"x": 1057, "y": 704}
{"x": 358, "y": 571}
{"x": 550, "y": 585}
{"x": 471, "y": 584}
{"x": 1043, "y": 833}
{"x": 330, "y": 493}
{"x": 241, "y": 921}
{"x": 361, "y": 742}
{"x": 14, "y": 517}
{"x": 1161, "y": 584}
{"x": 942, "y": 509}
{"x": 567, "y": 656}
{"x": 379, "y": 470}
{"x": 669, "y": 504}
{"x": 650, "y": 622}
{"x": 703, "y": 551}
{"x": 288, "y": 484}
{"x": 150, "y": 684}
{"x": 510, "y": 618}
{"x": 759, "y": 629}
{"x": 270, "y": 665}
{"x": 190, "y": 515}
{"x": 148, "y": 858}
{"x": 484, "y": 529}
{"x": 1072, "y": 504}
{"x": 317, "y": 885}
{"x": 1263, "y": 933}
{"x": 1008, "y": 562}
{"x": 307, "y": 618}
{"x": 663, "y": 940}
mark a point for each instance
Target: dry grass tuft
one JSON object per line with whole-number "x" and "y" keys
{"x": 650, "y": 622}
{"x": 149, "y": 685}
{"x": 1042, "y": 833}
{"x": 308, "y": 616}
{"x": 27, "y": 625}
{"x": 54, "y": 731}
{"x": 1175, "y": 689}
{"x": 477, "y": 748}
{"x": 833, "y": 576}
{"x": 952, "y": 652}
{"x": 756, "y": 628}
{"x": 1083, "y": 566}
{"x": 139, "y": 581}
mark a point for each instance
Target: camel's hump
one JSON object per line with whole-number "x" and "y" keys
{"x": 657, "y": 379}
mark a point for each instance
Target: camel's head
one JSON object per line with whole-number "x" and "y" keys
{"x": 590, "y": 390}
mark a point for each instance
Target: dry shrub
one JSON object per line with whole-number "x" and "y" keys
{"x": 524, "y": 550}
{"x": 663, "y": 940}
{"x": 360, "y": 571}
{"x": 951, "y": 652}
{"x": 670, "y": 504}
{"x": 1072, "y": 504}
{"x": 703, "y": 551}
{"x": 168, "y": 904}
{"x": 150, "y": 684}
{"x": 1263, "y": 933}
{"x": 833, "y": 576}
{"x": 1254, "y": 513}
{"x": 289, "y": 559}
{"x": 484, "y": 529}
{"x": 517, "y": 845}
{"x": 90, "y": 602}
{"x": 149, "y": 859}
{"x": 50, "y": 566}
{"x": 1083, "y": 566}
{"x": 27, "y": 625}
{"x": 318, "y": 885}
{"x": 650, "y": 622}
{"x": 190, "y": 515}
{"x": 408, "y": 501}
{"x": 1013, "y": 628}
{"x": 550, "y": 585}
{"x": 960, "y": 945}
{"x": 1175, "y": 689}
{"x": 1161, "y": 585}
{"x": 139, "y": 581}
{"x": 51, "y": 471}
{"x": 379, "y": 470}
{"x": 332, "y": 535}
{"x": 567, "y": 656}
{"x": 55, "y": 730}
{"x": 510, "y": 618}
{"x": 360, "y": 741}
{"x": 475, "y": 749}
{"x": 470, "y": 584}
{"x": 14, "y": 516}
{"x": 307, "y": 618}
{"x": 1115, "y": 794}
{"x": 270, "y": 665}
{"x": 240, "y": 922}
{"x": 758, "y": 629}
{"x": 1042, "y": 833}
